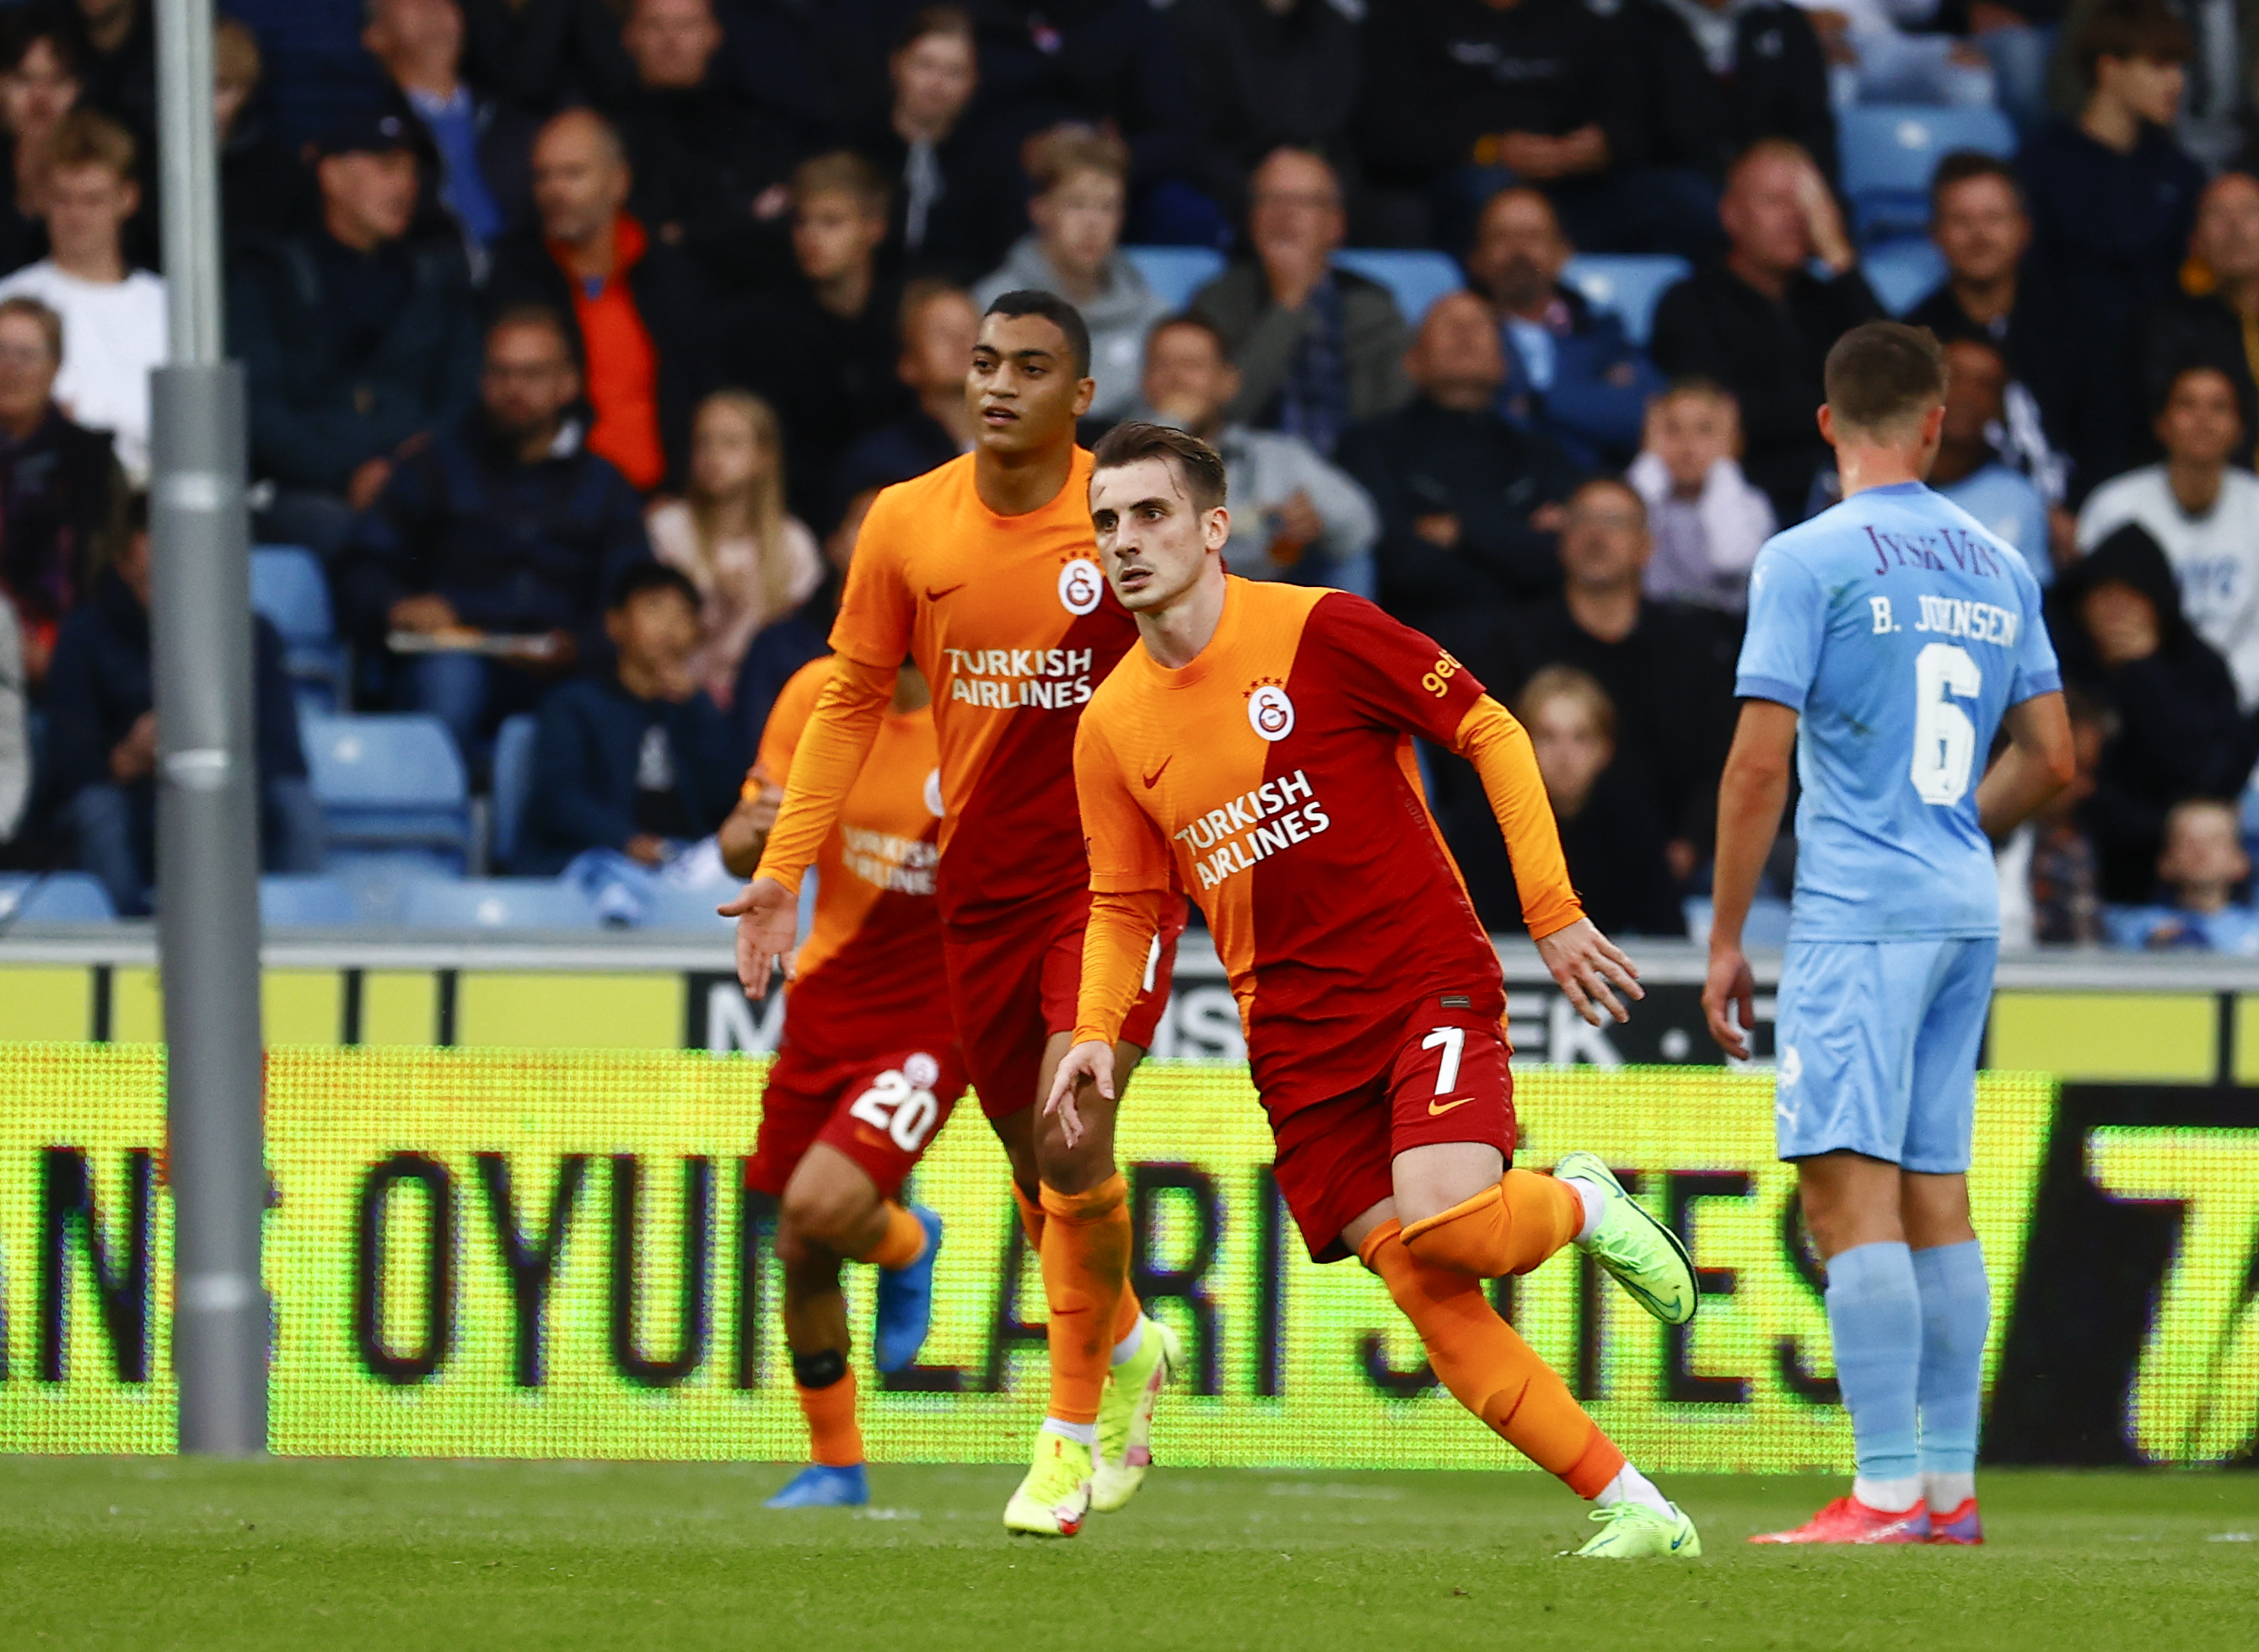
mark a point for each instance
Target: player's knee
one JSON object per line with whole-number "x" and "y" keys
{"x": 823, "y": 1216}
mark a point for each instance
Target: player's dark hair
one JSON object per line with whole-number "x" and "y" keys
{"x": 2149, "y": 30}
{"x": 1883, "y": 374}
{"x": 1200, "y": 470}
{"x": 1964, "y": 165}
{"x": 640, "y": 579}
{"x": 1056, "y": 310}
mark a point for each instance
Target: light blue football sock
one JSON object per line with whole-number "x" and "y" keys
{"x": 1874, "y": 1313}
{"x": 1957, "y": 1309}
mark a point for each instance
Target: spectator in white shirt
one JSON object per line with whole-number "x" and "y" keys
{"x": 2202, "y": 512}
{"x": 1707, "y": 519}
{"x": 1874, "y": 57}
{"x": 1294, "y": 516}
{"x": 113, "y": 315}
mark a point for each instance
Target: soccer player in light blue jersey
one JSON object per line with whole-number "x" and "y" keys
{"x": 1889, "y": 639}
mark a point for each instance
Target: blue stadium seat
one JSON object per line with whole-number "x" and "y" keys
{"x": 495, "y": 903}
{"x": 1176, "y": 272}
{"x": 1903, "y": 272}
{"x": 302, "y": 903}
{"x": 390, "y": 784}
{"x": 677, "y": 909}
{"x": 513, "y": 783}
{"x": 289, "y": 586}
{"x": 60, "y": 897}
{"x": 1765, "y": 928}
{"x": 1628, "y": 285}
{"x": 1890, "y": 150}
{"x": 1416, "y": 279}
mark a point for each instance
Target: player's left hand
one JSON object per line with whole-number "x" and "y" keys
{"x": 768, "y": 921}
{"x": 1730, "y": 986}
{"x": 1089, "y": 1062}
{"x": 1584, "y": 963}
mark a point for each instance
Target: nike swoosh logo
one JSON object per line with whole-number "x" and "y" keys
{"x": 1151, "y": 779}
{"x": 932, "y": 595}
{"x": 1677, "y": 1543}
{"x": 1435, "y": 1112}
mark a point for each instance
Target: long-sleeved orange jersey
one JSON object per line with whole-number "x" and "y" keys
{"x": 1013, "y": 623}
{"x": 869, "y": 977}
{"x": 1273, "y": 780}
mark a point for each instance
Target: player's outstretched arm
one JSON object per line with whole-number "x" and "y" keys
{"x": 828, "y": 756}
{"x": 2040, "y": 761}
{"x": 1751, "y": 795}
{"x": 1589, "y": 968}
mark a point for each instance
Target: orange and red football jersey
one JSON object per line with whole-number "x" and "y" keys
{"x": 1273, "y": 780}
{"x": 869, "y": 976}
{"x": 1012, "y": 622}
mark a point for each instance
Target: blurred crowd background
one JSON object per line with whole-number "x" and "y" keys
{"x": 580, "y": 334}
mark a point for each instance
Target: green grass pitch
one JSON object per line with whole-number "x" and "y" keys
{"x": 464, "y": 1557}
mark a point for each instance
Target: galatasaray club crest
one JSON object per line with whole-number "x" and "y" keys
{"x": 1270, "y": 713}
{"x": 1080, "y": 586}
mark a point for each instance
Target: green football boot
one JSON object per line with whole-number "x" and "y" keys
{"x": 1645, "y": 1256}
{"x": 1633, "y": 1531}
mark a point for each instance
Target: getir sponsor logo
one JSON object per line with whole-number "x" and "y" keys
{"x": 1006, "y": 678}
{"x": 1252, "y": 827}
{"x": 904, "y": 864}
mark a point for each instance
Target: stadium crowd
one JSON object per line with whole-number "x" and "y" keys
{"x": 580, "y": 334}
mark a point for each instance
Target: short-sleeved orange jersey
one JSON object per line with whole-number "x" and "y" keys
{"x": 869, "y": 977}
{"x": 1273, "y": 780}
{"x": 1012, "y": 622}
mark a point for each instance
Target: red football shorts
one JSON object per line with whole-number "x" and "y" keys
{"x": 881, "y": 1111}
{"x": 1012, "y": 984}
{"x": 1447, "y": 1081}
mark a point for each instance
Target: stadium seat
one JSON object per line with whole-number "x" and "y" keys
{"x": 1765, "y": 928}
{"x": 1417, "y": 280}
{"x": 1890, "y": 150}
{"x": 676, "y": 908}
{"x": 1627, "y": 285}
{"x": 390, "y": 784}
{"x": 289, "y": 586}
{"x": 1903, "y": 272}
{"x": 58, "y": 897}
{"x": 513, "y": 783}
{"x": 495, "y": 903}
{"x": 1176, "y": 272}
{"x": 301, "y": 903}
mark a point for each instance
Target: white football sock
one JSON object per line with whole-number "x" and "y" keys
{"x": 1948, "y": 1491}
{"x": 1595, "y": 1199}
{"x": 1889, "y": 1497}
{"x": 1086, "y": 1432}
{"x": 1631, "y": 1486}
{"x": 1126, "y": 1349}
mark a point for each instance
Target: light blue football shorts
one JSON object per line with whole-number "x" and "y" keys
{"x": 1878, "y": 1043}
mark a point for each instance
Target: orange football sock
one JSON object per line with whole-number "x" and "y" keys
{"x": 835, "y": 1440}
{"x": 1086, "y": 1255}
{"x": 1508, "y": 1228}
{"x": 1031, "y": 1218}
{"x": 1490, "y": 1370}
{"x": 902, "y": 1243}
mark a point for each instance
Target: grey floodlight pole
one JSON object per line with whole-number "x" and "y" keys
{"x": 207, "y": 801}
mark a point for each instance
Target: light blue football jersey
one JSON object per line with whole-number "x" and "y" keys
{"x": 1901, "y": 631}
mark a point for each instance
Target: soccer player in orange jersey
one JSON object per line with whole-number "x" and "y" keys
{"x": 1256, "y": 750}
{"x": 984, "y": 572}
{"x": 867, "y": 1071}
